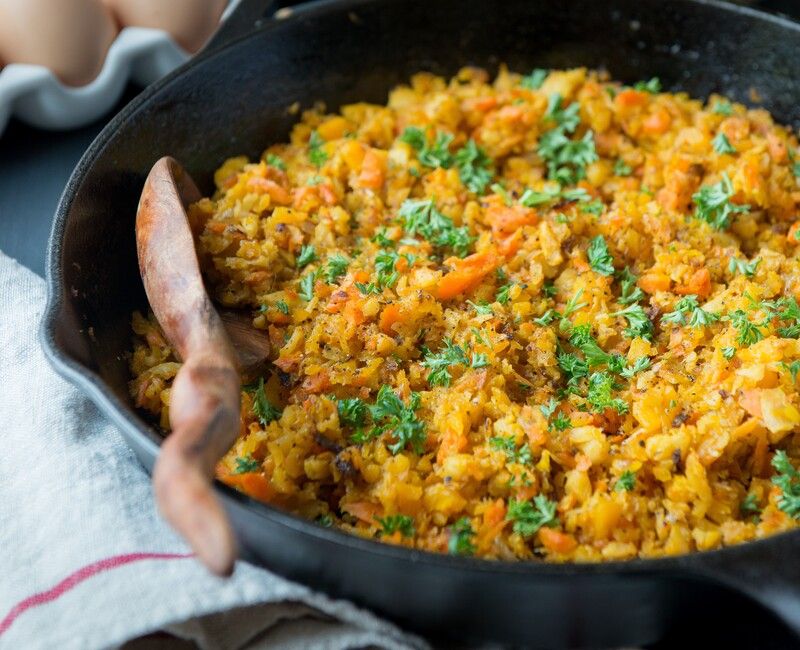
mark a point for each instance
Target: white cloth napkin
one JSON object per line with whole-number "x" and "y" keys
{"x": 85, "y": 560}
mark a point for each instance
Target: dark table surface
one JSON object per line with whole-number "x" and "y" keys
{"x": 35, "y": 166}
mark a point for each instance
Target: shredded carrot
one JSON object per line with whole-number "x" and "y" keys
{"x": 699, "y": 284}
{"x": 557, "y": 541}
{"x": 263, "y": 185}
{"x": 654, "y": 282}
{"x": 630, "y": 97}
{"x": 390, "y": 315}
{"x": 467, "y": 273}
{"x": 373, "y": 169}
{"x": 658, "y": 122}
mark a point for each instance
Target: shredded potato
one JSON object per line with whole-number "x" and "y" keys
{"x": 543, "y": 316}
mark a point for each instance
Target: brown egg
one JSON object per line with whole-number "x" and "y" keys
{"x": 71, "y": 37}
{"x": 190, "y": 22}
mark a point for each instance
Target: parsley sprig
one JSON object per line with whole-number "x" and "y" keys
{"x": 474, "y": 167}
{"x": 420, "y": 216}
{"x": 394, "y": 523}
{"x": 435, "y": 154}
{"x": 460, "y": 541}
{"x": 600, "y": 258}
{"x": 713, "y": 204}
{"x": 566, "y": 158}
{"x": 262, "y": 407}
{"x": 439, "y": 363}
{"x": 788, "y": 480}
{"x": 530, "y": 516}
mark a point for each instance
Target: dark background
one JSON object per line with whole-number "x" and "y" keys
{"x": 34, "y": 167}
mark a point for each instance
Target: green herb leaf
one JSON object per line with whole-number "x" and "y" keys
{"x": 639, "y": 324}
{"x": 421, "y": 216}
{"x": 530, "y": 516}
{"x": 393, "y": 523}
{"x": 306, "y": 291}
{"x": 599, "y": 397}
{"x": 460, "y": 541}
{"x": 749, "y": 333}
{"x": 713, "y": 204}
{"x": 630, "y": 293}
{"x": 474, "y": 167}
{"x": 276, "y": 162}
{"x": 391, "y": 414}
{"x": 434, "y": 155}
{"x": 722, "y": 145}
{"x": 439, "y": 363}
{"x": 534, "y": 80}
{"x": 728, "y": 352}
{"x": 641, "y": 364}
{"x": 246, "y": 465}
{"x": 626, "y": 482}
{"x": 316, "y": 154}
{"x": 482, "y": 309}
{"x": 788, "y": 480}
{"x": 722, "y": 107}
{"x": 352, "y": 411}
{"x": 743, "y": 266}
{"x": 621, "y": 169}
{"x": 599, "y": 258}
{"x": 652, "y": 86}
{"x": 306, "y": 256}
{"x": 262, "y": 407}
{"x": 336, "y": 268}
{"x": 282, "y": 307}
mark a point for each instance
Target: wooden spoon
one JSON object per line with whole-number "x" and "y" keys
{"x": 216, "y": 349}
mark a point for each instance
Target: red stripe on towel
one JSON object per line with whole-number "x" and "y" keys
{"x": 79, "y": 576}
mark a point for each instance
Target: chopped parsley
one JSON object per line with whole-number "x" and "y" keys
{"x": 352, "y": 411}
{"x": 722, "y": 107}
{"x": 394, "y": 523}
{"x": 282, "y": 307}
{"x": 531, "y": 198}
{"x": 722, "y": 145}
{"x": 306, "y": 256}
{"x": 630, "y": 292}
{"x": 534, "y": 80}
{"x": 728, "y": 352}
{"x": 482, "y": 309}
{"x": 530, "y": 516}
{"x": 262, "y": 407}
{"x": 749, "y": 332}
{"x": 336, "y": 268}
{"x": 744, "y": 267}
{"x": 599, "y": 258}
{"x": 641, "y": 364}
{"x": 421, "y": 216}
{"x": 788, "y": 480}
{"x": 460, "y": 541}
{"x": 502, "y": 296}
{"x": 316, "y": 154}
{"x": 713, "y": 204}
{"x": 434, "y": 155}
{"x": 450, "y": 355}
{"x": 566, "y": 158}
{"x": 749, "y": 506}
{"x": 276, "y": 162}
{"x": 474, "y": 167}
{"x": 523, "y": 455}
{"x": 652, "y": 86}
{"x": 389, "y": 413}
{"x": 639, "y": 324}
{"x": 306, "y": 291}
{"x": 367, "y": 289}
{"x": 599, "y": 397}
{"x": 595, "y": 207}
{"x": 246, "y": 465}
{"x": 385, "y": 262}
{"x": 793, "y": 368}
{"x": 621, "y": 168}
{"x": 688, "y": 311}
{"x": 626, "y": 482}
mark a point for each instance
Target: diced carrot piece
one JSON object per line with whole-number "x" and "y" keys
{"x": 263, "y": 185}
{"x": 630, "y": 97}
{"x": 556, "y": 541}
{"x": 495, "y": 512}
{"x": 467, "y": 273}
{"x": 327, "y": 194}
{"x": 373, "y": 169}
{"x": 352, "y": 312}
{"x": 253, "y": 484}
{"x": 699, "y": 284}
{"x": 504, "y": 219}
{"x": 654, "y": 282}
{"x": 390, "y": 315}
{"x": 481, "y": 104}
{"x": 658, "y": 122}
{"x": 510, "y": 245}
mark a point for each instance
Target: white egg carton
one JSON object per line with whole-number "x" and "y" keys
{"x": 35, "y": 95}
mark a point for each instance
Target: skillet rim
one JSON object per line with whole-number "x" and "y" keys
{"x": 123, "y": 416}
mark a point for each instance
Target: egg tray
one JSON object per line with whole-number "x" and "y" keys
{"x": 35, "y": 95}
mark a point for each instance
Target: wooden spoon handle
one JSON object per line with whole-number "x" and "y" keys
{"x": 204, "y": 401}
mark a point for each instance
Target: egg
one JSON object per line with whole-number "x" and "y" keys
{"x": 71, "y": 37}
{"x": 189, "y": 22}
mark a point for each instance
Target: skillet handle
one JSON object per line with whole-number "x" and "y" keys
{"x": 767, "y": 571}
{"x": 245, "y": 16}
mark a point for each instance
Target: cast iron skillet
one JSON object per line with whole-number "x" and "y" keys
{"x": 233, "y": 100}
